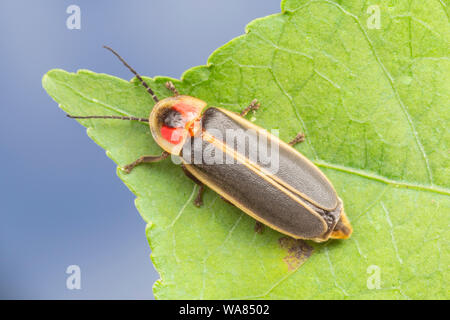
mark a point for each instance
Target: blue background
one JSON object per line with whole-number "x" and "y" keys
{"x": 61, "y": 202}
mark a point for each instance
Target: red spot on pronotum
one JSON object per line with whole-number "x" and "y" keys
{"x": 173, "y": 135}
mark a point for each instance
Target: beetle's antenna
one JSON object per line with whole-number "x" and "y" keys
{"x": 108, "y": 117}
{"x": 149, "y": 90}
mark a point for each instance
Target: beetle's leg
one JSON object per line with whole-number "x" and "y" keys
{"x": 198, "y": 202}
{"x": 254, "y": 105}
{"x": 145, "y": 159}
{"x": 259, "y": 227}
{"x": 300, "y": 137}
{"x": 171, "y": 87}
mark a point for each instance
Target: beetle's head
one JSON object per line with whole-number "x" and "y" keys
{"x": 174, "y": 119}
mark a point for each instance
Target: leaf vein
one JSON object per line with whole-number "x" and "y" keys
{"x": 391, "y": 82}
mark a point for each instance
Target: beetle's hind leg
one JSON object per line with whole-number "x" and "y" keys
{"x": 254, "y": 105}
{"x": 145, "y": 159}
{"x": 170, "y": 86}
{"x": 259, "y": 227}
{"x": 198, "y": 201}
{"x": 299, "y": 138}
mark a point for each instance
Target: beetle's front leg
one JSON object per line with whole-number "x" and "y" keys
{"x": 254, "y": 105}
{"x": 145, "y": 159}
{"x": 198, "y": 202}
{"x": 171, "y": 87}
{"x": 299, "y": 138}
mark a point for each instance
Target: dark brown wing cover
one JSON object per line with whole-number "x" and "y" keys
{"x": 247, "y": 190}
{"x": 294, "y": 170}
{"x": 269, "y": 200}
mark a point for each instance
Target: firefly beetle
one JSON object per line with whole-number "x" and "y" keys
{"x": 296, "y": 199}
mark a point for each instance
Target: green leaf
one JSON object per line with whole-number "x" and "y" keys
{"x": 374, "y": 106}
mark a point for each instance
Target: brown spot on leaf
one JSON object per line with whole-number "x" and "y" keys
{"x": 298, "y": 252}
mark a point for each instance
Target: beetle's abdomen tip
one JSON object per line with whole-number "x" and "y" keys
{"x": 343, "y": 229}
